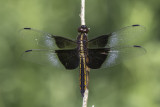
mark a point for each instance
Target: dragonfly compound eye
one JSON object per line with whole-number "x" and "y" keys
{"x": 83, "y": 29}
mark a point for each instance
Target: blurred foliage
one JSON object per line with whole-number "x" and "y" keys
{"x": 134, "y": 83}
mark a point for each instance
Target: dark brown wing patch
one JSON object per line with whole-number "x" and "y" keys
{"x": 96, "y": 57}
{"x": 69, "y": 58}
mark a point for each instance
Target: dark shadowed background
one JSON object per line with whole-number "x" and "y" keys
{"x": 133, "y": 83}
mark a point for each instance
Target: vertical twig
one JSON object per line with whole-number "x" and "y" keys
{"x": 82, "y": 17}
{"x": 82, "y": 14}
{"x": 85, "y": 98}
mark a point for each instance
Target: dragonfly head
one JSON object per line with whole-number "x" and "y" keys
{"x": 83, "y": 29}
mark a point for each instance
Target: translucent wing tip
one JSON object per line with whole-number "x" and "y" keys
{"x": 137, "y": 46}
{"x": 27, "y": 28}
{"x": 136, "y": 25}
{"x": 28, "y": 51}
{"x": 142, "y": 27}
{"x": 143, "y": 49}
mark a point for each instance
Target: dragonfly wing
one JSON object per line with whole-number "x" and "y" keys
{"x": 97, "y": 42}
{"x": 107, "y": 57}
{"x": 41, "y": 56}
{"x": 119, "y": 54}
{"x": 126, "y": 36}
{"x": 62, "y": 42}
{"x": 69, "y": 58}
{"x": 96, "y": 57}
{"x": 44, "y": 39}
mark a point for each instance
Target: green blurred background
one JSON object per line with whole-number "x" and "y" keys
{"x": 133, "y": 83}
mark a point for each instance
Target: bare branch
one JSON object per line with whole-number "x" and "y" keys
{"x": 85, "y": 98}
{"x": 82, "y": 14}
{"x": 82, "y": 17}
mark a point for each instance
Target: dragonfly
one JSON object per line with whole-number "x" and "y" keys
{"x": 100, "y": 52}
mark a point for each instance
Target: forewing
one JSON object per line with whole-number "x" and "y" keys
{"x": 47, "y": 40}
{"x": 125, "y": 36}
{"x": 98, "y": 42}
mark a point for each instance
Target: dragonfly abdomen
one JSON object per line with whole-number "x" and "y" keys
{"x": 83, "y": 76}
{"x": 82, "y": 49}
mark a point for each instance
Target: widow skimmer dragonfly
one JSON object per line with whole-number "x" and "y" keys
{"x": 102, "y": 51}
